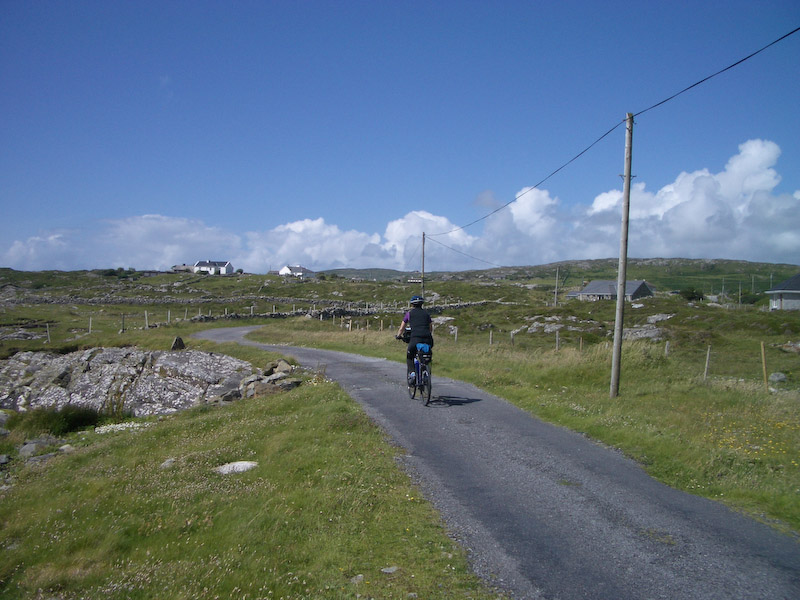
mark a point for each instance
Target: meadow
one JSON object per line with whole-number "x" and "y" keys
{"x": 328, "y": 510}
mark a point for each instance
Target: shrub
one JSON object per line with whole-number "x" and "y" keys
{"x": 56, "y": 422}
{"x": 691, "y": 294}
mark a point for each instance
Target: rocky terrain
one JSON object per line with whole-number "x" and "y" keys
{"x": 132, "y": 381}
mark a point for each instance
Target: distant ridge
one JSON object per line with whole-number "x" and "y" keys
{"x": 665, "y": 273}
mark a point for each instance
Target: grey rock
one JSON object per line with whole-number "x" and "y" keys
{"x": 177, "y": 344}
{"x": 645, "y": 332}
{"x": 240, "y": 466}
{"x": 118, "y": 380}
{"x": 30, "y": 449}
{"x": 777, "y": 378}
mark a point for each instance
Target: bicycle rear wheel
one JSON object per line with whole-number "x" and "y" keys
{"x": 425, "y": 392}
{"x": 412, "y": 388}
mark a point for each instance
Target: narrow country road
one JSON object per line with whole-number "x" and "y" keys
{"x": 545, "y": 513}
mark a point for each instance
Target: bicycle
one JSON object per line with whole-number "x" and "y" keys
{"x": 420, "y": 378}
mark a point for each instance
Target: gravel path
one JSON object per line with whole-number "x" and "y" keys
{"x": 545, "y": 513}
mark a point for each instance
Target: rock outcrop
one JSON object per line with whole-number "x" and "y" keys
{"x": 131, "y": 381}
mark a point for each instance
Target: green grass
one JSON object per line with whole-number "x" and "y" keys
{"x": 724, "y": 437}
{"x": 325, "y": 504}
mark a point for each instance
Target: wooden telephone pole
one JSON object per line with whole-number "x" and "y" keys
{"x": 623, "y": 259}
{"x": 423, "y": 265}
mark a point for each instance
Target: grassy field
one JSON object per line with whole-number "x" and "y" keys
{"x": 327, "y": 502}
{"x": 723, "y": 436}
{"x": 322, "y": 515}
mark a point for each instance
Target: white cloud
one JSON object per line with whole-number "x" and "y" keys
{"x": 311, "y": 243}
{"x": 732, "y": 214}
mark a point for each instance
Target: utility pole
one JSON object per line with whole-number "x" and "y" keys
{"x": 555, "y": 300}
{"x": 423, "y": 264}
{"x": 623, "y": 258}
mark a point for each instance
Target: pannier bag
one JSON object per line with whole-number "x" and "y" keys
{"x": 424, "y": 352}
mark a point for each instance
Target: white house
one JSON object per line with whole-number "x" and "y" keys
{"x": 213, "y": 267}
{"x": 785, "y": 296}
{"x": 295, "y": 271}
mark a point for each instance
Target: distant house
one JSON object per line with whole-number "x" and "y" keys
{"x": 785, "y": 296}
{"x": 296, "y": 271}
{"x": 184, "y": 268}
{"x": 605, "y": 289}
{"x": 213, "y": 267}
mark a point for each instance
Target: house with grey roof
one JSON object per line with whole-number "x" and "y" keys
{"x": 786, "y": 295}
{"x": 213, "y": 267}
{"x": 606, "y": 289}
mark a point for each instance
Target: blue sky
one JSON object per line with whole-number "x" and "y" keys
{"x": 332, "y": 134}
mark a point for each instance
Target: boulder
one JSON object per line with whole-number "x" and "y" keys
{"x": 777, "y": 378}
{"x": 119, "y": 380}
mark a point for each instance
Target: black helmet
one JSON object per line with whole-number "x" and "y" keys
{"x": 417, "y": 300}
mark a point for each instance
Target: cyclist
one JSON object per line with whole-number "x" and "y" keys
{"x": 420, "y": 324}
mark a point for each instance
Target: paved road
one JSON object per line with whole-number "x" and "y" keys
{"x": 546, "y": 513}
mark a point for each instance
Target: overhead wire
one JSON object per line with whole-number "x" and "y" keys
{"x": 607, "y": 133}
{"x": 464, "y": 253}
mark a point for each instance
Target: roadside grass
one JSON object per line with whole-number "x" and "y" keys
{"x": 322, "y": 514}
{"x": 724, "y": 437}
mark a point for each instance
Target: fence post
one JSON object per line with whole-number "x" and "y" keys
{"x": 490, "y": 336}
{"x": 558, "y": 340}
{"x": 708, "y": 359}
{"x": 666, "y": 349}
{"x": 764, "y": 365}
{"x": 580, "y": 344}
{"x": 512, "y": 338}
{"x": 456, "y": 340}
{"x": 146, "y": 323}
{"x": 48, "y": 332}
{"x": 90, "y": 325}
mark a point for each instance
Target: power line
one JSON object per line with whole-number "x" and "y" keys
{"x": 464, "y": 253}
{"x": 607, "y": 133}
{"x": 413, "y": 256}
{"x": 728, "y": 68}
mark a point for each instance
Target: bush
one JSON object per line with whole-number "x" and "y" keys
{"x": 691, "y": 294}
{"x": 56, "y": 422}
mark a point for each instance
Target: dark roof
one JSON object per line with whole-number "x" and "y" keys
{"x": 608, "y": 286}
{"x": 793, "y": 284}
{"x": 211, "y": 263}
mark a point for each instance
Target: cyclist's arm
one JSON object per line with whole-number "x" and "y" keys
{"x": 402, "y": 326}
